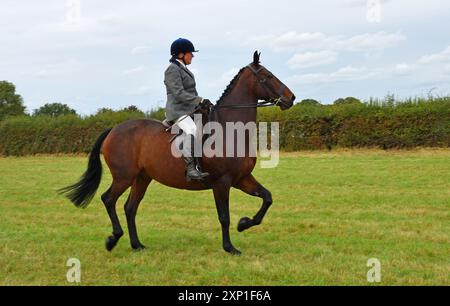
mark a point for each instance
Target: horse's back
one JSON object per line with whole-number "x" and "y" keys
{"x": 143, "y": 147}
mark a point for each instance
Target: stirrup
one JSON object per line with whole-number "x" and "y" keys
{"x": 200, "y": 178}
{"x": 200, "y": 175}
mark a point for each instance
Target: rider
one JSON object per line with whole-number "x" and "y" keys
{"x": 182, "y": 99}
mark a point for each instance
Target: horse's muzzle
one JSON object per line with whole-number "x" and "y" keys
{"x": 286, "y": 103}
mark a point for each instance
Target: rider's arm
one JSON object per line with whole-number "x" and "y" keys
{"x": 174, "y": 84}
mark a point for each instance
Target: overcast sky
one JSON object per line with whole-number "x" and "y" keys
{"x": 98, "y": 53}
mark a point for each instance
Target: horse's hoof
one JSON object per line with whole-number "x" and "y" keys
{"x": 232, "y": 250}
{"x": 243, "y": 224}
{"x": 139, "y": 248}
{"x": 110, "y": 243}
{"x": 235, "y": 252}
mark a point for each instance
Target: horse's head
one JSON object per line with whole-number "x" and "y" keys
{"x": 268, "y": 87}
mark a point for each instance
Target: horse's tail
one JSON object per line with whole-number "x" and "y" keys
{"x": 82, "y": 192}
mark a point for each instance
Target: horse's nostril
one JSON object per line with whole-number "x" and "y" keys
{"x": 293, "y": 98}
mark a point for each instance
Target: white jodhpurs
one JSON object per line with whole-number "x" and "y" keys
{"x": 187, "y": 125}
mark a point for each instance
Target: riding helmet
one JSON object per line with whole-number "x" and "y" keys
{"x": 181, "y": 45}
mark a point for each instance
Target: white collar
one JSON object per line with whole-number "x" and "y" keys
{"x": 182, "y": 63}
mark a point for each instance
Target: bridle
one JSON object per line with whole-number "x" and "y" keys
{"x": 263, "y": 81}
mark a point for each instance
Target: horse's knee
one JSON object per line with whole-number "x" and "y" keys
{"x": 224, "y": 221}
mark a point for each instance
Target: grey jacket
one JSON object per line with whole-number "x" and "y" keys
{"x": 182, "y": 97}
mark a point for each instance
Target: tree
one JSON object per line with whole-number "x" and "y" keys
{"x": 11, "y": 104}
{"x": 104, "y": 110}
{"x": 352, "y": 100}
{"x": 348, "y": 100}
{"x": 132, "y": 109}
{"x": 309, "y": 102}
{"x": 54, "y": 110}
{"x": 158, "y": 113}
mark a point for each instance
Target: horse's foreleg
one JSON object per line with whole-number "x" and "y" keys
{"x": 221, "y": 192}
{"x": 138, "y": 190}
{"x": 251, "y": 186}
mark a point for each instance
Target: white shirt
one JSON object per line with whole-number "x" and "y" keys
{"x": 182, "y": 63}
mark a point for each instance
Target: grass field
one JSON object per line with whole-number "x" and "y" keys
{"x": 331, "y": 213}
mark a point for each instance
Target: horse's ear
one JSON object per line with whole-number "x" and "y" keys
{"x": 256, "y": 58}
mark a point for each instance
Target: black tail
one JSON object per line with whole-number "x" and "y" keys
{"x": 82, "y": 192}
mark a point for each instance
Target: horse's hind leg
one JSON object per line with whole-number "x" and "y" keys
{"x": 109, "y": 198}
{"x": 251, "y": 186}
{"x": 138, "y": 190}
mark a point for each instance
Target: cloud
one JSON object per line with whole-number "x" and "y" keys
{"x": 429, "y": 69}
{"x": 311, "y": 59}
{"x": 293, "y": 41}
{"x": 140, "y": 91}
{"x": 437, "y": 58}
{"x": 43, "y": 73}
{"x": 224, "y": 79}
{"x": 141, "y": 50}
{"x": 109, "y": 38}
{"x": 347, "y": 73}
{"x": 134, "y": 70}
{"x": 370, "y": 41}
{"x": 404, "y": 69}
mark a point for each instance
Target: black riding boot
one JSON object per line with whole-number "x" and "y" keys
{"x": 192, "y": 169}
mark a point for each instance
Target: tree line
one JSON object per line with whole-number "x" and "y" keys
{"x": 12, "y": 104}
{"x": 309, "y": 125}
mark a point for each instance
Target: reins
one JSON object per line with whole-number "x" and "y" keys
{"x": 258, "y": 104}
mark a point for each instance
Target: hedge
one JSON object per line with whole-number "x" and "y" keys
{"x": 405, "y": 124}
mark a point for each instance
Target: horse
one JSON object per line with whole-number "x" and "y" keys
{"x": 139, "y": 151}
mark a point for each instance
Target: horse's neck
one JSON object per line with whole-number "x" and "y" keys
{"x": 240, "y": 95}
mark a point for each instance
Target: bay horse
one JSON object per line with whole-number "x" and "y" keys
{"x": 139, "y": 151}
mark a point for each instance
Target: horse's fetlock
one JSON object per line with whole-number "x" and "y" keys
{"x": 118, "y": 235}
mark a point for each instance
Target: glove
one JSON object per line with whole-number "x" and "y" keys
{"x": 206, "y": 104}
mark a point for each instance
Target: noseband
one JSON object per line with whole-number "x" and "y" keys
{"x": 263, "y": 82}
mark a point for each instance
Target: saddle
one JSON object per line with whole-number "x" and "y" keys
{"x": 167, "y": 124}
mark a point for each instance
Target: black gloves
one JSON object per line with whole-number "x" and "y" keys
{"x": 206, "y": 104}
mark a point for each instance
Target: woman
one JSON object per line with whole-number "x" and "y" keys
{"x": 182, "y": 98}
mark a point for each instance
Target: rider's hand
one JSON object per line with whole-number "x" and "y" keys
{"x": 206, "y": 104}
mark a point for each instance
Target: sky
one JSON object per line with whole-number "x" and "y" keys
{"x": 97, "y": 53}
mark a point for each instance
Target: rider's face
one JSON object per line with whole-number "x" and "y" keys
{"x": 188, "y": 58}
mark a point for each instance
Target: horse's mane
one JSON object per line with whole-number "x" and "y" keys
{"x": 230, "y": 86}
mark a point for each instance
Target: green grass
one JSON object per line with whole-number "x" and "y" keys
{"x": 331, "y": 213}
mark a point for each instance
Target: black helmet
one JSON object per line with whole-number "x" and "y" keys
{"x": 181, "y": 45}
